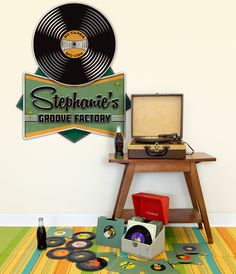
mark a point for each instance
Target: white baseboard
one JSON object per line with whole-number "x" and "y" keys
{"x": 215, "y": 219}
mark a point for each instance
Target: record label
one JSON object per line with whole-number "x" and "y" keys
{"x": 138, "y": 237}
{"x": 74, "y": 44}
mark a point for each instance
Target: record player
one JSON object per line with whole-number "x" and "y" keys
{"x": 157, "y": 126}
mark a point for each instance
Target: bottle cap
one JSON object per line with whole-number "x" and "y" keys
{"x": 118, "y": 129}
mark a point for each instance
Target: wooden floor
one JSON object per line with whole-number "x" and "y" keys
{"x": 18, "y": 253}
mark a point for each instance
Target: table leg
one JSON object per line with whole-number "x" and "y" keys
{"x": 123, "y": 190}
{"x": 193, "y": 175}
{"x": 192, "y": 194}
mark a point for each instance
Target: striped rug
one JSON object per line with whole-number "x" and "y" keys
{"x": 18, "y": 253}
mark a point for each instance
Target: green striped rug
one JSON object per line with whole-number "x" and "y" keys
{"x": 18, "y": 253}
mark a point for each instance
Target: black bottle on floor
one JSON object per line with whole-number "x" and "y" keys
{"x": 41, "y": 235}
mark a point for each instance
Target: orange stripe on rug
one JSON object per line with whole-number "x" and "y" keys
{"x": 228, "y": 239}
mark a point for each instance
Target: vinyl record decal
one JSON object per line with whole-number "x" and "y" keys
{"x": 79, "y": 244}
{"x": 55, "y": 241}
{"x": 92, "y": 265}
{"x": 58, "y": 253}
{"x": 139, "y": 233}
{"x": 74, "y": 44}
{"x": 80, "y": 256}
{"x": 158, "y": 267}
{"x": 84, "y": 236}
{"x": 189, "y": 248}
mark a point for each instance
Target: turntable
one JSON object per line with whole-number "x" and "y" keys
{"x": 157, "y": 127}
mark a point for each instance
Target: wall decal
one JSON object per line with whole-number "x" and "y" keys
{"x": 51, "y": 107}
{"x": 74, "y": 91}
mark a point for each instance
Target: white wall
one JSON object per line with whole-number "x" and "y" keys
{"x": 181, "y": 46}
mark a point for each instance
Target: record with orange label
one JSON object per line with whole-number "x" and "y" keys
{"x": 58, "y": 253}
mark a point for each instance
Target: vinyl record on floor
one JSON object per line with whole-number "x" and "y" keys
{"x": 189, "y": 248}
{"x": 79, "y": 244}
{"x": 184, "y": 257}
{"x": 139, "y": 233}
{"x": 58, "y": 253}
{"x": 74, "y": 44}
{"x": 161, "y": 265}
{"x": 173, "y": 258}
{"x": 158, "y": 267}
{"x": 84, "y": 236}
{"x": 92, "y": 265}
{"x": 80, "y": 256}
{"x": 55, "y": 241}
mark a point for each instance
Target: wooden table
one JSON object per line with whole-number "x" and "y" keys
{"x": 197, "y": 214}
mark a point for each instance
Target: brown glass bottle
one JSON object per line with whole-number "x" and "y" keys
{"x": 119, "y": 142}
{"x": 41, "y": 235}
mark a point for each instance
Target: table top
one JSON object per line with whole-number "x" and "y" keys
{"x": 197, "y": 157}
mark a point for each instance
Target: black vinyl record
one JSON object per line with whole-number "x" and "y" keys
{"x": 84, "y": 236}
{"x": 55, "y": 241}
{"x": 92, "y": 265}
{"x": 80, "y": 256}
{"x": 79, "y": 244}
{"x": 139, "y": 233}
{"x": 158, "y": 267}
{"x": 74, "y": 44}
{"x": 58, "y": 253}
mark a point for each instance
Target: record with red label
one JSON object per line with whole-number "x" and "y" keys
{"x": 92, "y": 265}
{"x": 173, "y": 258}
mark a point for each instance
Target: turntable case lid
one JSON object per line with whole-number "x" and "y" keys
{"x": 154, "y": 114}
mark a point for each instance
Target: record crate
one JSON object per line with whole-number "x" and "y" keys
{"x": 142, "y": 250}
